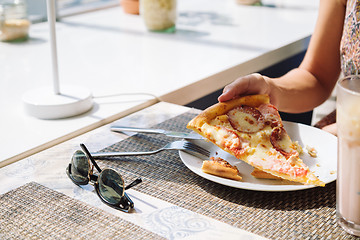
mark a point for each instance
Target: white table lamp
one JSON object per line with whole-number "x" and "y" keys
{"x": 56, "y": 103}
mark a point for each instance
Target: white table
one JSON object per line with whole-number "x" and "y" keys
{"x": 112, "y": 53}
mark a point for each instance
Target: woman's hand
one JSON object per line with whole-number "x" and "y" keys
{"x": 247, "y": 85}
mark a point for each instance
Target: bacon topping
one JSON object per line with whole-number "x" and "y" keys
{"x": 246, "y": 119}
{"x": 271, "y": 115}
{"x": 281, "y": 141}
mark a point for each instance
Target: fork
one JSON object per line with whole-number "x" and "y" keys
{"x": 185, "y": 146}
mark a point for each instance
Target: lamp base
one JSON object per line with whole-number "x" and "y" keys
{"x": 43, "y": 103}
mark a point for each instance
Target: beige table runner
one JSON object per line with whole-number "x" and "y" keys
{"x": 33, "y": 211}
{"x": 304, "y": 214}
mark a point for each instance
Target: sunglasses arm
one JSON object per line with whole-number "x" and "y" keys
{"x": 90, "y": 157}
{"x": 134, "y": 183}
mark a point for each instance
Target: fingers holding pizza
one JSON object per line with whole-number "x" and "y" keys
{"x": 250, "y": 84}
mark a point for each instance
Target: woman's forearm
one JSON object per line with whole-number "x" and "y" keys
{"x": 298, "y": 91}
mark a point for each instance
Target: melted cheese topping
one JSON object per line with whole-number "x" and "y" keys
{"x": 255, "y": 147}
{"x": 244, "y": 121}
{"x": 221, "y": 136}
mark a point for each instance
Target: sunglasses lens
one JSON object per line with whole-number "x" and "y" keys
{"x": 80, "y": 167}
{"x": 111, "y": 186}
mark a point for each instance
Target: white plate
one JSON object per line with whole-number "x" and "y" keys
{"x": 324, "y": 165}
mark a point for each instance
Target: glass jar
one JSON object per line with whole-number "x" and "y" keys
{"x": 248, "y": 2}
{"x": 159, "y": 15}
{"x": 14, "y": 24}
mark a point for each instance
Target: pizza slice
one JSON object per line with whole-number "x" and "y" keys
{"x": 251, "y": 129}
{"x": 220, "y": 167}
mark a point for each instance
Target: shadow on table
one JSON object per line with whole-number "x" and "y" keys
{"x": 314, "y": 198}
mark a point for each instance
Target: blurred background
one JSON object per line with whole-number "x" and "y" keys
{"x": 37, "y": 8}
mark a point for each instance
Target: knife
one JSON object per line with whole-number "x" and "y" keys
{"x": 157, "y": 131}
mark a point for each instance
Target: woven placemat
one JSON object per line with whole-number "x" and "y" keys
{"x": 33, "y": 211}
{"x": 305, "y": 214}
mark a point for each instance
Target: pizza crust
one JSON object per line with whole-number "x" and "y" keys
{"x": 219, "y": 167}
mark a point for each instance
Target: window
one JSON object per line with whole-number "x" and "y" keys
{"x": 37, "y": 8}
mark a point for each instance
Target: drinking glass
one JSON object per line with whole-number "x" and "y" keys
{"x": 348, "y": 172}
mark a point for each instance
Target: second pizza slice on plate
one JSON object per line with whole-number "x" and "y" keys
{"x": 251, "y": 129}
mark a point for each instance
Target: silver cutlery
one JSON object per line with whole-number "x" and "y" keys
{"x": 185, "y": 146}
{"x": 157, "y": 131}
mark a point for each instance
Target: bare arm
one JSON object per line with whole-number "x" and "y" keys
{"x": 305, "y": 87}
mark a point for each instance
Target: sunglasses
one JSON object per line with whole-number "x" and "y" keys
{"x": 109, "y": 185}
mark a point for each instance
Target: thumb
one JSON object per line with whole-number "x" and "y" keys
{"x": 226, "y": 95}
